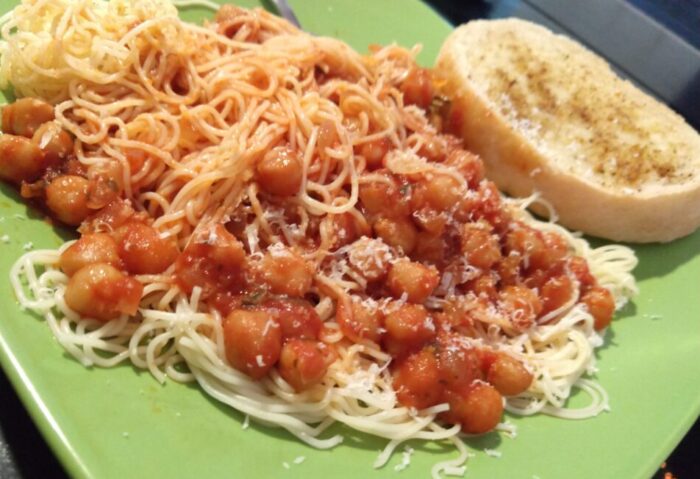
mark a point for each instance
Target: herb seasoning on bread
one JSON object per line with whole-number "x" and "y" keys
{"x": 547, "y": 115}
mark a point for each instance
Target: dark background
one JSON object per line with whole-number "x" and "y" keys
{"x": 675, "y": 27}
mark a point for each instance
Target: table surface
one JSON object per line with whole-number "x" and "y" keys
{"x": 673, "y": 24}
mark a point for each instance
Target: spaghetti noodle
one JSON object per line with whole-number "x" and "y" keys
{"x": 244, "y": 178}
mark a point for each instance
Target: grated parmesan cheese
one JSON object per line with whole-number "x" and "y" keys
{"x": 493, "y": 453}
{"x": 278, "y": 250}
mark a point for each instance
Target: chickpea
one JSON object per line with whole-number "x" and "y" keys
{"x": 434, "y": 149}
{"x": 430, "y": 248}
{"x": 426, "y": 218}
{"x": 20, "y": 159}
{"x": 480, "y": 246}
{"x": 386, "y": 198}
{"x": 509, "y": 376}
{"x": 397, "y": 232}
{"x": 67, "y": 198}
{"x": 477, "y": 408}
{"x": 303, "y": 363}
{"x": 417, "y": 380}
{"x": 508, "y": 269}
{"x": 415, "y": 280}
{"x": 106, "y": 182}
{"x": 225, "y": 302}
{"x": 417, "y": 88}
{"x": 441, "y": 192}
{"x": 484, "y": 204}
{"x": 358, "y": 323}
{"x": 468, "y": 164}
{"x": 459, "y": 364}
{"x": 327, "y": 136}
{"x": 454, "y": 318}
{"x": 100, "y": 291}
{"x": 538, "y": 252}
{"x": 143, "y": 250}
{"x": 557, "y": 250}
{"x": 24, "y": 116}
{"x": 279, "y": 172}
{"x": 375, "y": 196}
{"x": 490, "y": 206}
{"x": 296, "y": 317}
{"x": 374, "y": 152}
{"x": 556, "y": 292}
{"x": 579, "y": 268}
{"x": 91, "y": 248}
{"x": 111, "y": 217}
{"x": 345, "y": 229}
{"x": 285, "y": 272}
{"x": 536, "y": 279}
{"x": 601, "y": 305}
{"x": 370, "y": 257}
{"x": 214, "y": 260}
{"x": 408, "y": 329}
{"x": 484, "y": 285}
{"x": 253, "y": 342}
{"x": 522, "y": 304}
{"x": 54, "y": 141}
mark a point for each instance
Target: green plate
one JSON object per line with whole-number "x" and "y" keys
{"x": 121, "y": 423}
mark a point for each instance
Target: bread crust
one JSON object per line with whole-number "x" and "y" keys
{"x": 652, "y": 211}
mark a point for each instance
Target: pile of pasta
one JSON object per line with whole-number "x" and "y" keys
{"x": 283, "y": 220}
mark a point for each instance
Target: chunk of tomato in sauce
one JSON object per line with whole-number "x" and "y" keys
{"x": 111, "y": 217}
